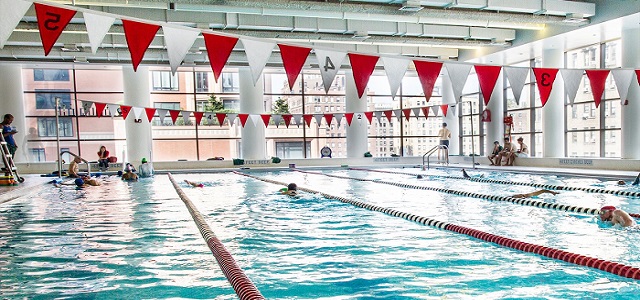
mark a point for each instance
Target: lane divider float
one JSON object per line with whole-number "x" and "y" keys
{"x": 538, "y": 185}
{"x": 546, "y": 186}
{"x": 582, "y": 260}
{"x": 521, "y": 201}
{"x": 243, "y": 286}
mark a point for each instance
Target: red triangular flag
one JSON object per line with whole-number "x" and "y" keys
{"x": 407, "y": 113}
{"x": 174, "y": 115}
{"x": 638, "y": 76}
{"x": 124, "y": 111}
{"x": 328, "y": 118}
{"x": 150, "y": 112}
{"x": 51, "y": 22}
{"x": 265, "y": 119}
{"x": 445, "y": 109}
{"x": 369, "y": 115}
{"x": 100, "y": 108}
{"x": 487, "y": 77}
{"x": 220, "y": 117}
{"x": 362, "y": 67}
{"x": 139, "y": 36}
{"x": 349, "y": 117}
{"x": 428, "y": 72}
{"x": 425, "y": 112}
{"x": 388, "y": 114}
{"x": 597, "y": 79}
{"x": 544, "y": 80}
{"x": 287, "y": 119}
{"x": 219, "y": 48}
{"x": 293, "y": 58}
{"x": 198, "y": 115}
{"x": 243, "y": 118}
{"x": 307, "y": 119}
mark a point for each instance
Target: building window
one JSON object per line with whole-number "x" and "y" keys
{"x": 47, "y": 127}
{"x": 50, "y": 75}
{"x": 165, "y": 105}
{"x": 164, "y": 81}
{"x": 36, "y": 154}
{"x": 46, "y": 99}
{"x": 230, "y": 83}
{"x": 202, "y": 82}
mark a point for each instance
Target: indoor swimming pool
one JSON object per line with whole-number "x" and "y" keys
{"x": 137, "y": 240}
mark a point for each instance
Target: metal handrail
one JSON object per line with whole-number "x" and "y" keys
{"x": 78, "y": 156}
{"x": 431, "y": 151}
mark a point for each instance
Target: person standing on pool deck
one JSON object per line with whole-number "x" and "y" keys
{"x": 7, "y": 132}
{"x": 444, "y": 134}
{"x": 616, "y": 216}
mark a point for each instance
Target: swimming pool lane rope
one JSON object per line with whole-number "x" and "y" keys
{"x": 521, "y": 201}
{"x": 243, "y": 286}
{"x": 500, "y": 198}
{"x": 538, "y": 185}
{"x": 582, "y": 260}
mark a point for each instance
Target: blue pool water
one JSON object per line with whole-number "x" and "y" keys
{"x": 137, "y": 240}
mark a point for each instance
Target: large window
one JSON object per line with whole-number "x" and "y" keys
{"x": 46, "y": 99}
{"x": 47, "y": 127}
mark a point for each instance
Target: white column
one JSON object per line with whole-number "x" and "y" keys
{"x": 495, "y": 128}
{"x": 631, "y": 59}
{"x": 451, "y": 119}
{"x": 553, "y": 112}
{"x": 252, "y": 102}
{"x": 357, "y": 132}
{"x": 137, "y": 94}
{"x": 13, "y": 103}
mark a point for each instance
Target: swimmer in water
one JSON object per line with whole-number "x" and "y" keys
{"x": 194, "y": 184}
{"x": 533, "y": 194}
{"x": 290, "y": 190}
{"x": 616, "y": 216}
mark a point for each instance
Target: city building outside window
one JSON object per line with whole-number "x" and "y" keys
{"x": 50, "y": 75}
{"x": 164, "y": 81}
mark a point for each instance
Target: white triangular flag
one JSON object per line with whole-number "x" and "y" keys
{"x": 378, "y": 115}
{"x": 185, "y": 116}
{"x": 298, "y": 119}
{"x": 329, "y": 63}
{"x": 113, "y": 109}
{"x": 395, "y": 69}
{"x": 435, "y": 109}
{"x": 416, "y": 112}
{"x": 398, "y": 113}
{"x": 277, "y": 118}
{"x": 516, "y": 76}
{"x": 209, "y": 117}
{"x": 137, "y": 111}
{"x": 178, "y": 42}
{"x": 258, "y": 53}
{"x": 86, "y": 107}
{"x": 97, "y": 27}
{"x": 458, "y": 73}
{"x": 318, "y": 118}
{"x": 338, "y": 118}
{"x": 10, "y": 15}
{"x": 571, "y": 78}
{"x": 162, "y": 113}
{"x": 231, "y": 118}
{"x": 623, "y": 78}
{"x": 256, "y": 119}
{"x": 453, "y": 110}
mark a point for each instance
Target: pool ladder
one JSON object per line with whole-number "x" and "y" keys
{"x": 431, "y": 151}
{"x": 75, "y": 155}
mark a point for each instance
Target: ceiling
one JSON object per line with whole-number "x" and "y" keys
{"x": 418, "y": 28}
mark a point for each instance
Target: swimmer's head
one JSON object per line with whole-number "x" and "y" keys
{"x": 496, "y": 143}
{"x": 621, "y": 182}
{"x": 79, "y": 182}
{"x": 119, "y": 173}
{"x": 144, "y": 160}
{"x": 606, "y": 212}
{"x": 419, "y": 177}
{"x": 292, "y": 187}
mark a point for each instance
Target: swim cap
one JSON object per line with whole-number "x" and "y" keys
{"x": 201, "y": 185}
{"x": 609, "y": 207}
{"x": 144, "y": 160}
{"x": 79, "y": 182}
{"x": 419, "y": 176}
{"x": 119, "y": 173}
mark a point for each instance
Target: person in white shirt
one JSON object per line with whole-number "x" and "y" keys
{"x": 145, "y": 169}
